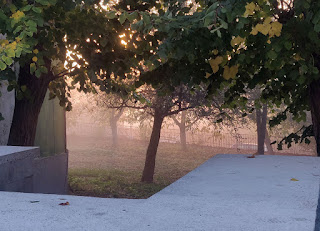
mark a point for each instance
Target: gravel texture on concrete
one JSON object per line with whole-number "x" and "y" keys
{"x": 13, "y": 153}
{"x": 226, "y": 193}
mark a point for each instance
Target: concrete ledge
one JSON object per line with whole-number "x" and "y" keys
{"x": 14, "y": 153}
{"x": 227, "y": 193}
{"x": 16, "y": 168}
{"x": 22, "y": 170}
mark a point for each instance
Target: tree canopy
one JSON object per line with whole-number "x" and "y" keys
{"x": 273, "y": 45}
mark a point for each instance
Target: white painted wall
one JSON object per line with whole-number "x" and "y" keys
{"x": 6, "y": 108}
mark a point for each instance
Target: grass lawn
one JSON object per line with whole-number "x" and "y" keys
{"x": 97, "y": 169}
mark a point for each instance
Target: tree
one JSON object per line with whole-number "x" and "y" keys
{"x": 186, "y": 121}
{"x": 38, "y": 35}
{"x": 113, "y": 107}
{"x": 161, "y": 105}
{"x": 272, "y": 44}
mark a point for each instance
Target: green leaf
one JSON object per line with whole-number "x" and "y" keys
{"x": 111, "y": 15}
{"x": 7, "y": 60}
{"x": 288, "y": 45}
{"x": 316, "y": 18}
{"x": 224, "y": 25}
{"x": 123, "y": 17}
{"x": 31, "y": 23}
{"x": 26, "y": 8}
{"x": 43, "y": 2}
{"x": 213, "y": 7}
{"x": 18, "y": 52}
{"x": 3, "y": 66}
{"x": 23, "y": 88}
{"x": 10, "y": 52}
{"x": 43, "y": 69}
{"x": 38, "y": 73}
{"x": 32, "y": 68}
{"x": 272, "y": 55}
{"x": 37, "y": 10}
{"x": 18, "y": 29}
{"x": 146, "y": 19}
{"x": 131, "y": 17}
{"x": 317, "y": 28}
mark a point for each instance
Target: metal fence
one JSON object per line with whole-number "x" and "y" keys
{"x": 211, "y": 139}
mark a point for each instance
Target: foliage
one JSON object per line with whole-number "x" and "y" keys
{"x": 58, "y": 40}
{"x": 270, "y": 44}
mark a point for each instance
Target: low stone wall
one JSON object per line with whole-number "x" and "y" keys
{"x": 22, "y": 170}
{"x": 51, "y": 174}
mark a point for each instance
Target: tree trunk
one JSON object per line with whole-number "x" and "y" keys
{"x": 114, "y": 131}
{"x": 26, "y": 111}
{"x": 149, "y": 166}
{"x": 114, "y": 128}
{"x": 314, "y": 94}
{"x": 182, "y": 127}
{"x": 267, "y": 141}
{"x": 261, "y": 127}
{"x": 114, "y": 125}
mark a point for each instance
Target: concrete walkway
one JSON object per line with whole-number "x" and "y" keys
{"x": 227, "y": 193}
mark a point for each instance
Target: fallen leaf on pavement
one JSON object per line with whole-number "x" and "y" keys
{"x": 67, "y": 203}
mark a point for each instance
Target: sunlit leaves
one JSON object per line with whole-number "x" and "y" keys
{"x": 250, "y": 9}
{"x": 236, "y": 41}
{"x": 268, "y": 28}
{"x": 214, "y": 63}
{"x": 230, "y": 72}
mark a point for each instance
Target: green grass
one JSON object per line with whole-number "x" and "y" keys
{"x": 100, "y": 170}
{"x": 112, "y": 183}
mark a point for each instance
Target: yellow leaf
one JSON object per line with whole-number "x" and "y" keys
{"x": 264, "y": 29}
{"x": 230, "y": 72}
{"x": 276, "y": 28}
{"x": 214, "y": 63}
{"x": 215, "y": 69}
{"x": 36, "y": 51}
{"x": 297, "y": 57}
{"x": 208, "y": 75}
{"x": 254, "y": 31}
{"x": 267, "y": 20}
{"x": 13, "y": 45}
{"x": 237, "y": 41}
{"x": 35, "y": 59}
{"x": 294, "y": 179}
{"x": 4, "y": 42}
{"x": 32, "y": 67}
{"x": 226, "y": 72}
{"x": 18, "y": 15}
{"x": 250, "y": 7}
{"x": 233, "y": 71}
